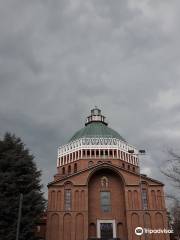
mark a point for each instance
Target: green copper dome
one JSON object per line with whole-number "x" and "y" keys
{"x": 96, "y": 127}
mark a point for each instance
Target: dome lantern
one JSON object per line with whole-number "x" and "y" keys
{"x": 95, "y": 116}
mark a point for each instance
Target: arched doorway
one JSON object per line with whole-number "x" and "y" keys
{"x": 106, "y": 204}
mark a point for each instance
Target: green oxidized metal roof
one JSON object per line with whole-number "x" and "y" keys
{"x": 97, "y": 130}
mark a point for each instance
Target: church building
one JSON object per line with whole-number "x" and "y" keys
{"x": 98, "y": 191}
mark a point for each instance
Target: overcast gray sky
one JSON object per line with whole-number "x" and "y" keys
{"x": 59, "y": 58}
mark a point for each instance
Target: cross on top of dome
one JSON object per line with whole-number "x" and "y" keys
{"x": 96, "y": 116}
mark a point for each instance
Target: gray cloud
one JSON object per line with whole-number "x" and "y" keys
{"x": 60, "y": 58}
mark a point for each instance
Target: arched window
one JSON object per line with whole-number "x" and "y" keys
{"x": 63, "y": 170}
{"x": 128, "y": 167}
{"x": 67, "y": 199}
{"x": 135, "y": 199}
{"x": 69, "y": 169}
{"x": 75, "y": 167}
{"x": 67, "y": 196}
{"x": 144, "y": 199}
{"x": 123, "y": 165}
{"x": 84, "y": 153}
{"x": 153, "y": 197}
{"x": 159, "y": 199}
{"x": 130, "y": 200}
{"x": 92, "y": 230}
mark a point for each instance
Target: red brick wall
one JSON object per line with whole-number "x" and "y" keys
{"x": 80, "y": 222}
{"x": 116, "y": 189}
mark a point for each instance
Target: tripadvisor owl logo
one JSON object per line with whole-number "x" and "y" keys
{"x": 139, "y": 231}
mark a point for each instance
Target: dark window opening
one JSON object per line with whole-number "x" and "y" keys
{"x": 75, "y": 167}
{"x": 106, "y": 230}
{"x": 69, "y": 169}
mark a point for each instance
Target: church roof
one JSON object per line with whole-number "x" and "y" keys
{"x": 96, "y": 127}
{"x": 104, "y": 165}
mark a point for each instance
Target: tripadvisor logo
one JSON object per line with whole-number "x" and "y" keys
{"x": 139, "y": 231}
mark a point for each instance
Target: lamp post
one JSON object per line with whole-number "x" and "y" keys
{"x": 19, "y": 216}
{"x": 140, "y": 153}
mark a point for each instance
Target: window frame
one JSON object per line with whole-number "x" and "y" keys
{"x": 105, "y": 206}
{"x": 67, "y": 199}
{"x": 144, "y": 198}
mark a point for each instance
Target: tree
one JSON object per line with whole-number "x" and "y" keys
{"x": 175, "y": 211}
{"x": 18, "y": 174}
{"x": 172, "y": 171}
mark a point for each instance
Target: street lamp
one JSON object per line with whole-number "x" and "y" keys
{"x": 140, "y": 152}
{"x": 19, "y": 216}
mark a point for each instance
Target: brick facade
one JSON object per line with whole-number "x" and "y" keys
{"x": 75, "y": 197}
{"x": 80, "y": 222}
